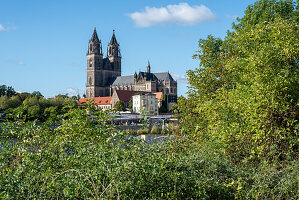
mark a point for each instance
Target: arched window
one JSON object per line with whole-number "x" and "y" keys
{"x": 171, "y": 90}
{"x": 90, "y": 81}
{"x": 90, "y": 47}
{"x": 167, "y": 90}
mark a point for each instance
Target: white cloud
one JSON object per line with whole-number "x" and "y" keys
{"x": 180, "y": 78}
{"x": 16, "y": 62}
{"x": 182, "y": 14}
{"x": 73, "y": 92}
{"x": 2, "y": 27}
{"x": 20, "y": 63}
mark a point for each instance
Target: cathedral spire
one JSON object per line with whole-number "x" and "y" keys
{"x": 113, "y": 40}
{"x": 113, "y": 47}
{"x": 148, "y": 67}
{"x": 95, "y": 37}
{"x": 95, "y": 46}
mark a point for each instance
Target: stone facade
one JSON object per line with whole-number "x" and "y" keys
{"x": 101, "y": 70}
{"x": 104, "y": 74}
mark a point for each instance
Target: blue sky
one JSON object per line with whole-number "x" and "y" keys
{"x": 43, "y": 44}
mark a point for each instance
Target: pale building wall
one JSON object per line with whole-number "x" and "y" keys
{"x": 105, "y": 107}
{"x": 148, "y": 102}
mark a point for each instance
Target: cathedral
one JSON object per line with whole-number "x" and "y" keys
{"x": 104, "y": 74}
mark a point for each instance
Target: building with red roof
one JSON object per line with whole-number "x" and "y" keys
{"x": 101, "y": 102}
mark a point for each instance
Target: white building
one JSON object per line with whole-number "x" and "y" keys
{"x": 146, "y": 102}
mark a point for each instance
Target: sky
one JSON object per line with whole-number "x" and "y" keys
{"x": 43, "y": 44}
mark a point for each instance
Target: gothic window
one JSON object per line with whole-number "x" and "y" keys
{"x": 90, "y": 81}
{"x": 90, "y": 63}
{"x": 90, "y": 47}
{"x": 171, "y": 90}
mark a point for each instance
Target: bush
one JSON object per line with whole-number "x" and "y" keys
{"x": 156, "y": 130}
{"x": 172, "y": 128}
{"x": 130, "y": 132}
{"x": 80, "y": 160}
{"x": 142, "y": 131}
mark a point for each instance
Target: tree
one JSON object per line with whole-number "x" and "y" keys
{"x": 24, "y": 95}
{"x": 120, "y": 106}
{"x": 130, "y": 107}
{"x": 245, "y": 92}
{"x": 4, "y": 102}
{"x": 163, "y": 108}
{"x": 3, "y": 89}
{"x": 9, "y": 91}
{"x": 37, "y": 94}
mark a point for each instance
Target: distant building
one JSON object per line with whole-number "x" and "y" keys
{"x": 146, "y": 102}
{"x": 104, "y": 74}
{"x": 126, "y": 95}
{"x": 102, "y": 102}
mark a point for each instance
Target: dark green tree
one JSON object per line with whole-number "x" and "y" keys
{"x": 37, "y": 94}
{"x": 10, "y": 91}
{"x": 3, "y": 89}
{"x": 7, "y": 90}
{"x": 163, "y": 108}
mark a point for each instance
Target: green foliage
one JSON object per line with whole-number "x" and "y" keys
{"x": 173, "y": 129}
{"x": 36, "y": 94}
{"x": 163, "y": 108}
{"x": 156, "y": 130}
{"x": 143, "y": 131}
{"x": 144, "y": 119}
{"x": 241, "y": 109}
{"x": 7, "y": 102}
{"x": 245, "y": 92}
{"x": 7, "y": 90}
{"x": 120, "y": 106}
{"x": 79, "y": 160}
{"x": 25, "y": 106}
{"x": 130, "y": 107}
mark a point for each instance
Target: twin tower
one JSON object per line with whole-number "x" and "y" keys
{"x": 102, "y": 71}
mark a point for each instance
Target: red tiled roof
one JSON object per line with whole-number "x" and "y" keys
{"x": 126, "y": 95}
{"x": 159, "y": 95}
{"x": 97, "y": 100}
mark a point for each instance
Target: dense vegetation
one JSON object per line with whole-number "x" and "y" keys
{"x": 245, "y": 92}
{"x": 33, "y": 106}
{"x": 79, "y": 160}
{"x": 238, "y": 138}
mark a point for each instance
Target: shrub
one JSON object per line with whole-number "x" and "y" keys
{"x": 80, "y": 160}
{"x": 172, "y": 128}
{"x": 155, "y": 130}
{"x": 142, "y": 131}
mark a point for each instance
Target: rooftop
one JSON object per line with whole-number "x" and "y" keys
{"x": 96, "y": 100}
